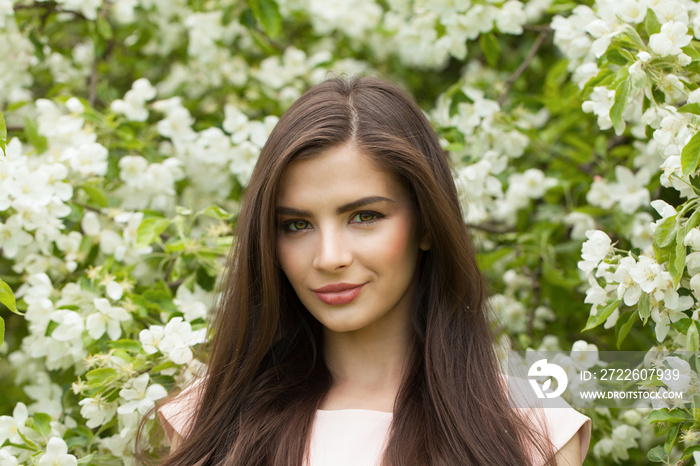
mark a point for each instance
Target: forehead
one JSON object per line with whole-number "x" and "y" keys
{"x": 335, "y": 176}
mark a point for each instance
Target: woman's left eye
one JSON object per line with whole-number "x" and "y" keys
{"x": 366, "y": 217}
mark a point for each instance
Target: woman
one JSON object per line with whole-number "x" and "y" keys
{"x": 353, "y": 327}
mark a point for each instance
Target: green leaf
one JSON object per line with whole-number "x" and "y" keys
{"x": 86, "y": 459}
{"x": 70, "y": 307}
{"x": 682, "y": 325}
{"x": 31, "y": 131}
{"x": 602, "y": 315}
{"x": 643, "y": 307}
{"x": 3, "y": 133}
{"x": 671, "y": 438}
{"x": 164, "y": 366}
{"x": 217, "y": 212}
{"x": 125, "y": 344}
{"x": 652, "y": 23}
{"x": 38, "y": 46}
{"x": 149, "y": 230}
{"x": 664, "y": 415}
{"x": 690, "y": 157}
{"x": 555, "y": 276}
{"x": 95, "y": 194}
{"x": 8, "y": 298}
{"x": 102, "y": 376}
{"x": 677, "y": 267}
{"x": 690, "y": 108}
{"x": 42, "y": 424}
{"x": 692, "y": 52}
{"x": 490, "y": 47}
{"x": 486, "y": 260}
{"x": 625, "y": 329}
{"x": 692, "y": 339}
{"x": 658, "y": 94}
{"x": 104, "y": 29}
{"x": 615, "y": 56}
{"x": 268, "y": 13}
{"x": 688, "y": 452}
{"x": 2, "y": 330}
{"x": 618, "y": 108}
{"x": 603, "y": 76}
{"x": 657, "y": 454}
{"x": 52, "y": 325}
{"x": 693, "y": 221}
{"x": 665, "y": 232}
{"x": 247, "y": 19}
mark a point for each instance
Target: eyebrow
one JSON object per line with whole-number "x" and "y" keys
{"x": 342, "y": 209}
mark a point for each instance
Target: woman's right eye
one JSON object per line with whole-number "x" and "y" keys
{"x": 296, "y": 225}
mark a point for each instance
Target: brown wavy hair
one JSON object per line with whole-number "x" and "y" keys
{"x": 266, "y": 372}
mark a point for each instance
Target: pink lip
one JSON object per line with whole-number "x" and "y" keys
{"x": 338, "y": 293}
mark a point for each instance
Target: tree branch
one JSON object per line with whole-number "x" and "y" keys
{"x": 50, "y": 7}
{"x": 92, "y": 95}
{"x": 523, "y": 66}
{"x": 537, "y": 27}
{"x": 536, "y": 299}
{"x": 489, "y": 228}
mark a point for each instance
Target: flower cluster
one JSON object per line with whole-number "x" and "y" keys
{"x": 134, "y": 127}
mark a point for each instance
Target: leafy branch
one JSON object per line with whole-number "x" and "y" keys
{"x": 524, "y": 65}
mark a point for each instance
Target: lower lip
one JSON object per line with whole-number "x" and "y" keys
{"x": 340, "y": 297}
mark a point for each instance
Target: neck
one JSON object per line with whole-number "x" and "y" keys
{"x": 367, "y": 368}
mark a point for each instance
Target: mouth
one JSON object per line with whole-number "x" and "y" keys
{"x": 338, "y": 293}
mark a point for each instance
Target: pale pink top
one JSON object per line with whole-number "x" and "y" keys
{"x": 357, "y": 437}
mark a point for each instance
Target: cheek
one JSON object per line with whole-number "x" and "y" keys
{"x": 397, "y": 246}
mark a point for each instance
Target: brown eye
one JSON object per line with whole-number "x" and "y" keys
{"x": 296, "y": 225}
{"x": 365, "y": 217}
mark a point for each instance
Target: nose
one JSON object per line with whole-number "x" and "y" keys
{"x": 333, "y": 251}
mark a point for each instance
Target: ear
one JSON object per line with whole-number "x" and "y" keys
{"x": 424, "y": 244}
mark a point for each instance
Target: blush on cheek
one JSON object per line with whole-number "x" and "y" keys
{"x": 393, "y": 247}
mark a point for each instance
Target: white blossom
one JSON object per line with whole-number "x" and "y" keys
{"x": 107, "y": 318}
{"x": 594, "y": 250}
{"x": 97, "y": 411}
{"x": 670, "y": 39}
{"x": 632, "y": 11}
{"x": 584, "y": 355}
{"x": 133, "y": 105}
{"x": 70, "y": 326}
{"x": 139, "y": 395}
{"x": 193, "y": 304}
{"x": 87, "y": 159}
{"x": 600, "y": 103}
{"x": 7, "y": 458}
{"x": 685, "y": 374}
{"x": 11, "y": 427}
{"x": 57, "y": 454}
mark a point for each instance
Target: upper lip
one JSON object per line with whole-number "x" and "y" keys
{"x": 336, "y": 287}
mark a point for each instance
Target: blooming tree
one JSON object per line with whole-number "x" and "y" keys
{"x": 133, "y": 127}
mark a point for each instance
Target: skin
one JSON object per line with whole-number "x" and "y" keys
{"x": 377, "y": 244}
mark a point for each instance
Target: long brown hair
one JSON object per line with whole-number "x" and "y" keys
{"x": 266, "y": 373}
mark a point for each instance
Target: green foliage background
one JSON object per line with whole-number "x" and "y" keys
{"x": 134, "y": 228}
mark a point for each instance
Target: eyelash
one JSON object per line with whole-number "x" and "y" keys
{"x": 285, "y": 226}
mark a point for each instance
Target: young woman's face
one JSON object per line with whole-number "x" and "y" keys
{"x": 348, "y": 240}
